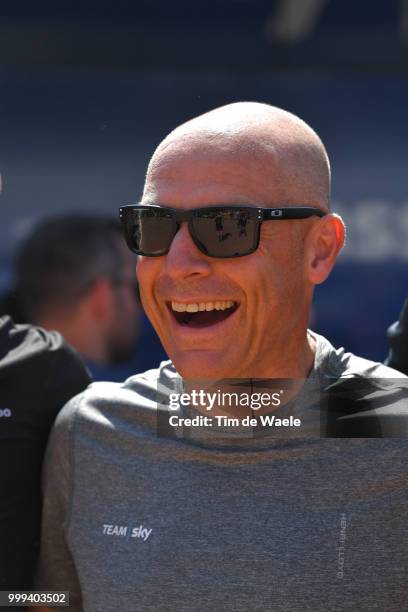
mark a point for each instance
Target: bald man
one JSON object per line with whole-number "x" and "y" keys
{"x": 167, "y": 493}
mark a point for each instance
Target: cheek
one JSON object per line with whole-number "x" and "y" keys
{"x": 282, "y": 244}
{"x": 147, "y": 271}
{"x": 278, "y": 264}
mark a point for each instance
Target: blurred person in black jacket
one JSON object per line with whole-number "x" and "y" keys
{"x": 75, "y": 275}
{"x": 39, "y": 372}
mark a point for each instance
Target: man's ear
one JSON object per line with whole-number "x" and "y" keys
{"x": 323, "y": 246}
{"x": 100, "y": 299}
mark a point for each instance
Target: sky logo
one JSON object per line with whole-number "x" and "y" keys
{"x": 125, "y": 531}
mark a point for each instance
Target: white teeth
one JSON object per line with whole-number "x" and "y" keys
{"x": 194, "y": 307}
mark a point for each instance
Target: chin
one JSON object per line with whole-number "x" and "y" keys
{"x": 202, "y": 365}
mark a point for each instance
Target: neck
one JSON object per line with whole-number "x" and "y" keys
{"x": 261, "y": 380}
{"x": 82, "y": 332}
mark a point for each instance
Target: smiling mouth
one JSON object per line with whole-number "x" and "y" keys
{"x": 202, "y": 314}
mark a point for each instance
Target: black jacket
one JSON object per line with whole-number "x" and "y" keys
{"x": 398, "y": 338}
{"x": 39, "y": 373}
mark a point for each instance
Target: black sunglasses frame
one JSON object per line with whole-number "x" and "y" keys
{"x": 255, "y": 213}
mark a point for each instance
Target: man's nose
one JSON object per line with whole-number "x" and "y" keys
{"x": 184, "y": 259}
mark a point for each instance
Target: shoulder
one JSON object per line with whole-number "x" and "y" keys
{"x": 398, "y": 339}
{"x": 104, "y": 406}
{"x": 364, "y": 398}
{"x": 39, "y": 373}
{"x": 334, "y": 362}
{"x": 31, "y": 349}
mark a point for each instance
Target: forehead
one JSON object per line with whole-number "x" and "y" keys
{"x": 194, "y": 178}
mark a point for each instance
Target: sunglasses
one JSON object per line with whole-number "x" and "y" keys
{"x": 217, "y": 231}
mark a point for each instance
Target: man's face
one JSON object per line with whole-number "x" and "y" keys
{"x": 270, "y": 296}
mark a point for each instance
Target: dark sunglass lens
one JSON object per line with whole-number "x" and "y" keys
{"x": 225, "y": 232}
{"x": 149, "y": 232}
